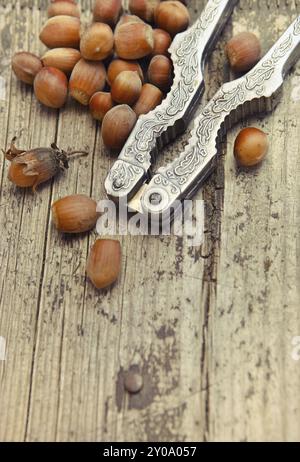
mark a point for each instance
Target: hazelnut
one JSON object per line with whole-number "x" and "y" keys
{"x": 117, "y": 126}
{"x": 162, "y": 42}
{"x": 104, "y": 263}
{"x": 251, "y": 146}
{"x": 129, "y": 18}
{"x": 97, "y": 42}
{"x": 107, "y": 11}
{"x": 243, "y": 51}
{"x": 51, "y": 87}
{"x": 87, "y": 77}
{"x": 100, "y": 103}
{"x": 134, "y": 40}
{"x": 144, "y": 9}
{"x": 150, "y": 97}
{"x": 26, "y": 66}
{"x": 62, "y": 58}
{"x": 160, "y": 72}
{"x": 126, "y": 88}
{"x": 61, "y": 31}
{"x": 75, "y": 214}
{"x": 63, "y": 8}
{"x": 119, "y": 65}
{"x": 172, "y": 16}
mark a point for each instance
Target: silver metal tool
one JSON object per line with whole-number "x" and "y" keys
{"x": 152, "y": 131}
{"x": 257, "y": 91}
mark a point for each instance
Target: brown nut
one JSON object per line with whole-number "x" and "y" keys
{"x": 251, "y": 146}
{"x": 61, "y": 31}
{"x": 107, "y": 11}
{"x": 128, "y": 18}
{"x": 144, "y": 9}
{"x": 104, "y": 263}
{"x": 63, "y": 8}
{"x": 87, "y": 78}
{"x": 150, "y": 97}
{"x": 117, "y": 125}
{"x": 172, "y": 16}
{"x": 100, "y": 103}
{"x": 26, "y": 66}
{"x": 160, "y": 72}
{"x": 126, "y": 88}
{"x": 51, "y": 87}
{"x": 134, "y": 40}
{"x": 119, "y": 65}
{"x": 162, "y": 42}
{"x": 63, "y": 59}
{"x": 75, "y": 214}
{"x": 97, "y": 42}
{"x": 243, "y": 51}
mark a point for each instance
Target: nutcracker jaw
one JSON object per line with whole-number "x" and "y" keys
{"x": 188, "y": 51}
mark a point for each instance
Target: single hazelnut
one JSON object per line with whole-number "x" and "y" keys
{"x": 104, "y": 263}
{"x": 160, "y": 72}
{"x": 61, "y": 31}
{"x": 63, "y": 8}
{"x": 119, "y": 65}
{"x": 133, "y": 40}
{"x": 144, "y": 9}
{"x": 26, "y": 66}
{"x": 97, "y": 42}
{"x": 251, "y": 146}
{"x": 100, "y": 103}
{"x": 172, "y": 16}
{"x": 150, "y": 97}
{"x": 51, "y": 87}
{"x": 243, "y": 51}
{"x": 75, "y": 214}
{"x": 87, "y": 77}
{"x": 117, "y": 126}
{"x": 162, "y": 42}
{"x": 63, "y": 59}
{"x": 107, "y": 11}
{"x": 126, "y": 88}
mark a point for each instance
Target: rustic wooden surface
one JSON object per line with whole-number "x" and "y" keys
{"x": 209, "y": 328}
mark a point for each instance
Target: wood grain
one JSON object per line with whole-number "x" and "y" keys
{"x": 209, "y": 328}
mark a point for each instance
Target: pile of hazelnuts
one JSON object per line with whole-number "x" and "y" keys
{"x": 119, "y": 65}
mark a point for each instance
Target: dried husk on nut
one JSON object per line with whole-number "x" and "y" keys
{"x": 31, "y": 168}
{"x": 104, "y": 263}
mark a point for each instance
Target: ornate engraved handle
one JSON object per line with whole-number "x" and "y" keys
{"x": 257, "y": 91}
{"x": 152, "y": 131}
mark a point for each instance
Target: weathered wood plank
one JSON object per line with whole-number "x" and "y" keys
{"x": 255, "y": 382}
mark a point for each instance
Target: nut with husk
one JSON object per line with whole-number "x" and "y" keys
{"x": 30, "y": 168}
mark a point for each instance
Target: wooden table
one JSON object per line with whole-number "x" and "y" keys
{"x": 210, "y": 329}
